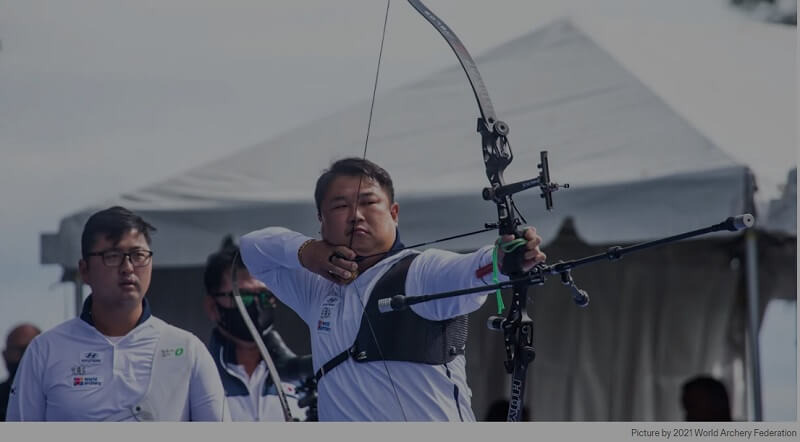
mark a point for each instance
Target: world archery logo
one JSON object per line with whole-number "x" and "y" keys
{"x": 87, "y": 381}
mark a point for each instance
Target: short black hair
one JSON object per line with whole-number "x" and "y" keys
{"x": 353, "y": 167}
{"x": 113, "y": 223}
{"x": 220, "y": 262}
{"x": 705, "y": 399}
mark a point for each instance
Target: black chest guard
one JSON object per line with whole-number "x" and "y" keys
{"x": 403, "y": 335}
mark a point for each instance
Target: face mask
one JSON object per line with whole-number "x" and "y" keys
{"x": 231, "y": 320}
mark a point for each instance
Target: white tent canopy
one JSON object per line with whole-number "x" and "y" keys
{"x": 636, "y": 169}
{"x": 781, "y": 217}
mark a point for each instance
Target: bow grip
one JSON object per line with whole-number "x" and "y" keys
{"x": 512, "y": 261}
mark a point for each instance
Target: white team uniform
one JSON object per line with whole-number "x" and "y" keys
{"x": 73, "y": 372}
{"x": 356, "y": 391}
{"x": 251, "y": 398}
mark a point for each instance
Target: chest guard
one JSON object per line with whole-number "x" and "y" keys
{"x": 403, "y": 335}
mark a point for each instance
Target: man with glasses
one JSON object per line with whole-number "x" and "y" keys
{"x": 250, "y": 392}
{"x": 116, "y": 362}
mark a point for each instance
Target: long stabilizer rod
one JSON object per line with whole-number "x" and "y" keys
{"x": 537, "y": 275}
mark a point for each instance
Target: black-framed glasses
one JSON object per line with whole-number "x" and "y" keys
{"x": 264, "y": 296}
{"x": 114, "y": 258}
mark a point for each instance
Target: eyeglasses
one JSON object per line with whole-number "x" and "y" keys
{"x": 114, "y": 258}
{"x": 264, "y": 297}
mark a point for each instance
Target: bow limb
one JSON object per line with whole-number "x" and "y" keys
{"x": 496, "y": 151}
{"x": 273, "y": 371}
{"x": 470, "y": 68}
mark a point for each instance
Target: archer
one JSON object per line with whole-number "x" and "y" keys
{"x": 405, "y": 365}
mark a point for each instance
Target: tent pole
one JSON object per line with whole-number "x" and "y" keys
{"x": 78, "y": 294}
{"x": 751, "y": 256}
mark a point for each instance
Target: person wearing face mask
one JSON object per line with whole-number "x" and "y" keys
{"x": 245, "y": 376}
{"x": 16, "y": 342}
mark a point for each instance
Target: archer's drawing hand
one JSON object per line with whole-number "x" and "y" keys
{"x": 532, "y": 255}
{"x": 334, "y": 263}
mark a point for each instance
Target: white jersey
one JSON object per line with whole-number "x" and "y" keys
{"x": 356, "y": 391}
{"x": 73, "y": 372}
{"x": 251, "y": 397}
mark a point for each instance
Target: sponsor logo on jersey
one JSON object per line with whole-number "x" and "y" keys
{"x": 91, "y": 358}
{"x": 169, "y": 352}
{"x": 330, "y": 301}
{"x": 327, "y": 311}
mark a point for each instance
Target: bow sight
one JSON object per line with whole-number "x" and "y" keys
{"x": 498, "y": 192}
